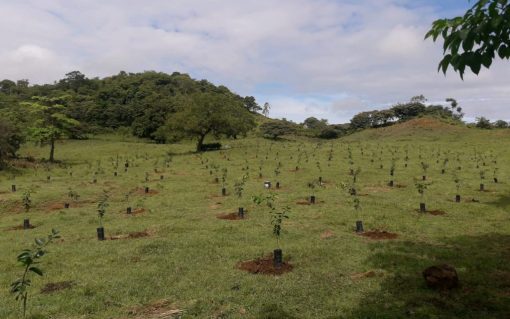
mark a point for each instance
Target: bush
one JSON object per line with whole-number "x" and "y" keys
{"x": 328, "y": 133}
{"x": 273, "y": 130}
{"x": 10, "y": 140}
{"x": 500, "y": 124}
{"x": 482, "y": 122}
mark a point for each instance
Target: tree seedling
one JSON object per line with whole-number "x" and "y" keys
{"x": 457, "y": 182}
{"x": 421, "y": 187}
{"x": 27, "y": 204}
{"x": 102, "y": 204}
{"x": 482, "y": 178}
{"x": 238, "y": 189}
{"x": 224, "y": 182}
{"x": 424, "y": 168}
{"x": 277, "y": 217}
{"x": 29, "y": 260}
{"x": 73, "y": 196}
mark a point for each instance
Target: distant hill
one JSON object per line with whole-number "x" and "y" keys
{"x": 417, "y": 128}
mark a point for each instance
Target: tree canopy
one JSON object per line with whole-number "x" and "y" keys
{"x": 474, "y": 40}
{"x": 50, "y": 122}
{"x": 202, "y": 114}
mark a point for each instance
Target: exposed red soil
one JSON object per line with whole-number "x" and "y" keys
{"x": 132, "y": 235}
{"x": 231, "y": 216}
{"x": 433, "y": 212}
{"x": 264, "y": 266}
{"x": 161, "y": 309}
{"x": 57, "y": 286}
{"x": 379, "y": 235}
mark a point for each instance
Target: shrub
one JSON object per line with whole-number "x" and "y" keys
{"x": 10, "y": 140}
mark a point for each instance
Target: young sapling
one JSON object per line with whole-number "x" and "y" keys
{"x": 29, "y": 260}
{"x": 421, "y": 187}
{"x": 101, "y": 211}
{"x": 26, "y": 199}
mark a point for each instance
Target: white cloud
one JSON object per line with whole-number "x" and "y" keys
{"x": 354, "y": 55}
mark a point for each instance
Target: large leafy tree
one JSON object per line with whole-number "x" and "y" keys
{"x": 50, "y": 122}
{"x": 474, "y": 40}
{"x": 204, "y": 113}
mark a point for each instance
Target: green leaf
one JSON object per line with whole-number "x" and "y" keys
{"x": 502, "y": 52}
{"x": 36, "y": 270}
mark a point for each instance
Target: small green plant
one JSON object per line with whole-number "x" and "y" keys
{"x": 268, "y": 199}
{"x": 457, "y": 181}
{"x": 313, "y": 185}
{"x": 239, "y": 186}
{"x": 102, "y": 205}
{"x": 277, "y": 217}
{"x": 482, "y": 175}
{"x": 29, "y": 260}
{"x": 224, "y": 172}
{"x": 73, "y": 195}
{"x": 392, "y": 166}
{"x": 421, "y": 187}
{"x": 26, "y": 199}
{"x": 424, "y": 168}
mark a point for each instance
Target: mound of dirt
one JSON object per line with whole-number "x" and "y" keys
{"x": 379, "y": 235}
{"x": 264, "y": 266}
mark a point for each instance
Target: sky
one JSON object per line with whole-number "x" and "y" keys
{"x": 325, "y": 58}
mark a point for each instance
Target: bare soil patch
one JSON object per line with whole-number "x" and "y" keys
{"x": 379, "y": 235}
{"x": 132, "y": 235}
{"x": 231, "y": 216}
{"x": 264, "y": 266}
{"x": 20, "y": 227}
{"x": 161, "y": 309}
{"x": 52, "y": 287}
{"x": 432, "y": 212}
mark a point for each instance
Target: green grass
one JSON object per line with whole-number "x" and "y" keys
{"x": 190, "y": 258}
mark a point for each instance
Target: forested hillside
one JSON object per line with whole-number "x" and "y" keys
{"x": 142, "y": 102}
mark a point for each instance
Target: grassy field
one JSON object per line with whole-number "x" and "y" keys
{"x": 186, "y": 262}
